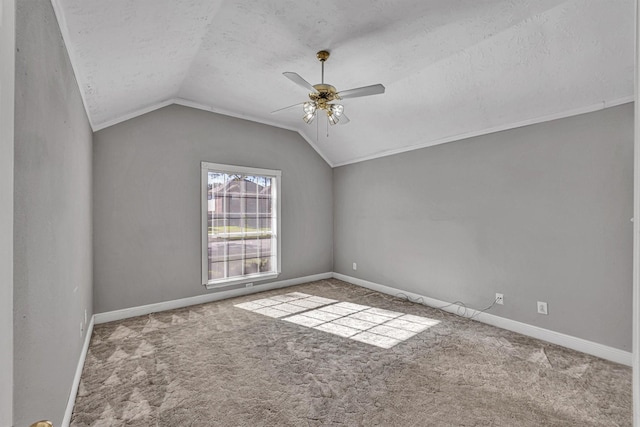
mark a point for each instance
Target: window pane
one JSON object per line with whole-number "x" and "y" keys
{"x": 251, "y": 248}
{"x": 252, "y": 266}
{"x": 216, "y": 249}
{"x": 265, "y": 225}
{"x": 265, "y": 246}
{"x": 216, "y": 258}
{"x": 266, "y": 264}
{"x": 216, "y": 271}
{"x": 251, "y": 194}
{"x": 216, "y": 200}
{"x": 216, "y": 224}
{"x": 235, "y": 268}
{"x": 235, "y": 249}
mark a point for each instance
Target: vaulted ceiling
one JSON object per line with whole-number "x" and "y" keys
{"x": 451, "y": 68}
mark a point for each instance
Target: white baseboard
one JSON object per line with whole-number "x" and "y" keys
{"x": 579, "y": 344}
{"x": 126, "y": 313}
{"x": 76, "y": 379}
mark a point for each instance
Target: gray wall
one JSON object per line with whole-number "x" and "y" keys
{"x": 52, "y": 228}
{"x": 539, "y": 213}
{"x": 147, "y": 201}
{"x": 7, "y": 60}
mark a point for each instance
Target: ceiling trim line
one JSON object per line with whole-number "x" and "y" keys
{"x": 315, "y": 147}
{"x": 536, "y": 120}
{"x": 198, "y": 106}
{"x": 133, "y": 114}
{"x": 187, "y": 103}
{"x": 64, "y": 31}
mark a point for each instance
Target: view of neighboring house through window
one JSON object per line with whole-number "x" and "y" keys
{"x": 240, "y": 224}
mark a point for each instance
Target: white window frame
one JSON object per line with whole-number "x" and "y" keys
{"x": 276, "y": 175}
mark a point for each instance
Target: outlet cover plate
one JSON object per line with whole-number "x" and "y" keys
{"x": 543, "y": 308}
{"x": 499, "y": 299}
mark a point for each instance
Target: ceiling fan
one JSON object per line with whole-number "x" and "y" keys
{"x": 322, "y": 96}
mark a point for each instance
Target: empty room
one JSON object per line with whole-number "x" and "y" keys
{"x": 279, "y": 213}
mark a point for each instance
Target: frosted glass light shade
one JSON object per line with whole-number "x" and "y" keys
{"x": 308, "y": 118}
{"x": 337, "y": 109}
{"x": 309, "y": 107}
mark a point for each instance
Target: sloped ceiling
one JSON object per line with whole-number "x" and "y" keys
{"x": 451, "y": 69}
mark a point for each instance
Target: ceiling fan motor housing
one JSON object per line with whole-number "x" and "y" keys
{"x": 325, "y": 93}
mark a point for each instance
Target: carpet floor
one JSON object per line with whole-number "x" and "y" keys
{"x": 228, "y": 363}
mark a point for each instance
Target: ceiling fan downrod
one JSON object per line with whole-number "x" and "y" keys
{"x": 322, "y": 56}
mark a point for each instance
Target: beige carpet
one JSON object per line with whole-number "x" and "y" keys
{"x": 220, "y": 365}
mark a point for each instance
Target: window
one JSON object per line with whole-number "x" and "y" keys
{"x": 240, "y": 224}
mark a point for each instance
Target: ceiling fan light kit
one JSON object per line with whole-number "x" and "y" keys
{"x": 323, "y": 95}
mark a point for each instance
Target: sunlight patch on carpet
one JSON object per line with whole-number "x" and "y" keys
{"x": 369, "y": 325}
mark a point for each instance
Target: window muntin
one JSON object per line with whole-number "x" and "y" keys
{"x": 240, "y": 224}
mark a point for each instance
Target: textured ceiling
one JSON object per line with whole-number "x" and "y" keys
{"x": 451, "y": 69}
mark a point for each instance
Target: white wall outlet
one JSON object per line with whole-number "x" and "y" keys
{"x": 85, "y": 316}
{"x": 248, "y": 285}
{"x": 499, "y": 299}
{"x": 542, "y": 308}
{"x": 355, "y": 266}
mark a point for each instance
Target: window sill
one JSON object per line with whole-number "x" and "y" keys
{"x": 240, "y": 281}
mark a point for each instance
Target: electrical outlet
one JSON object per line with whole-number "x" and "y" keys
{"x": 542, "y": 308}
{"x": 85, "y": 316}
{"x": 499, "y": 299}
{"x": 248, "y": 285}
{"x": 355, "y": 266}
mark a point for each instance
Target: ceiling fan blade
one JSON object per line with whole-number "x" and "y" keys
{"x": 343, "y": 119}
{"x": 361, "y": 91}
{"x": 295, "y": 77}
{"x": 286, "y": 108}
